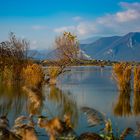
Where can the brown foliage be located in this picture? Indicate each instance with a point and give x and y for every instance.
(33, 75)
(122, 74)
(137, 78)
(13, 57)
(67, 46)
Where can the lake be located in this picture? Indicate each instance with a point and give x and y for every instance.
(89, 86)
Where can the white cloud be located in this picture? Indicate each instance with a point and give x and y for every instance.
(135, 5)
(39, 27)
(85, 28)
(121, 22)
(77, 18)
(65, 28)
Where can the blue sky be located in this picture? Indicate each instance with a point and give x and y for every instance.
(40, 21)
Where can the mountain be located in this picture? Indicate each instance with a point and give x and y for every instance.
(89, 40)
(52, 54)
(116, 48)
(39, 54)
(93, 48)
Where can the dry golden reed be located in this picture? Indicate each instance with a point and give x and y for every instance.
(53, 73)
(13, 57)
(137, 78)
(122, 74)
(33, 75)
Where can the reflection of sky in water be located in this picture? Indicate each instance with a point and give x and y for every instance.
(82, 86)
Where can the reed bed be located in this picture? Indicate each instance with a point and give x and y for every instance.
(137, 78)
(33, 75)
(53, 73)
(13, 57)
(122, 74)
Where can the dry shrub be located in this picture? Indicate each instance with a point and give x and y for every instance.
(53, 73)
(137, 78)
(33, 75)
(122, 74)
(67, 47)
(13, 57)
(7, 75)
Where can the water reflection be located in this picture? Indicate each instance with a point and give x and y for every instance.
(34, 100)
(11, 97)
(123, 106)
(78, 74)
(136, 105)
(91, 88)
(64, 103)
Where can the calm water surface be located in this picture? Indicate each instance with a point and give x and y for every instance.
(83, 86)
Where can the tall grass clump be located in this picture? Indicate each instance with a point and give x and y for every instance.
(122, 74)
(137, 78)
(33, 75)
(53, 73)
(137, 90)
(13, 57)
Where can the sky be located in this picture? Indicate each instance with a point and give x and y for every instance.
(41, 21)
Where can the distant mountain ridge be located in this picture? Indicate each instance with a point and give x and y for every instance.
(116, 48)
(52, 54)
(89, 40)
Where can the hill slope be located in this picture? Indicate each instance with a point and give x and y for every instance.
(122, 48)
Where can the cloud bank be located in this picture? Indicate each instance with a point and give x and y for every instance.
(121, 22)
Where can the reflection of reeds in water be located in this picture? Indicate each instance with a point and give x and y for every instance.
(122, 74)
(137, 78)
(123, 107)
(136, 106)
(67, 103)
(34, 103)
(11, 98)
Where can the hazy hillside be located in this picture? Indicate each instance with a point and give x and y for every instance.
(39, 54)
(125, 48)
(52, 54)
(93, 48)
(89, 40)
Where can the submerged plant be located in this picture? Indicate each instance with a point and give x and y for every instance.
(56, 128)
(24, 127)
(94, 117)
